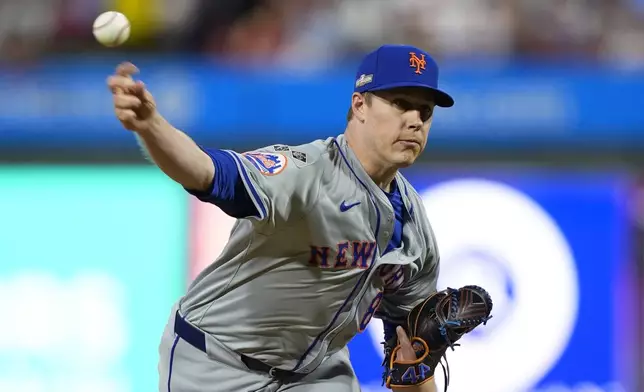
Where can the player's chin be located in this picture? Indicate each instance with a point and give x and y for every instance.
(405, 158)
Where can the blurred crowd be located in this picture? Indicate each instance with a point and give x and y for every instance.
(307, 33)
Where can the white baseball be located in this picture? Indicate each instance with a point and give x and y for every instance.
(111, 28)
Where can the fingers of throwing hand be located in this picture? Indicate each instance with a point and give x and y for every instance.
(123, 101)
(133, 104)
(125, 115)
(126, 69)
(140, 91)
(117, 83)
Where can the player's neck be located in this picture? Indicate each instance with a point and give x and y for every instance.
(380, 173)
(383, 177)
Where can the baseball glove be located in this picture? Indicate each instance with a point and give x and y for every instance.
(433, 326)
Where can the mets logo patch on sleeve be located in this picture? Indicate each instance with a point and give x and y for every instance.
(269, 164)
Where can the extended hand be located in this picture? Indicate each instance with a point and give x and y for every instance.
(134, 106)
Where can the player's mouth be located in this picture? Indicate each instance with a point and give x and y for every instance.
(410, 143)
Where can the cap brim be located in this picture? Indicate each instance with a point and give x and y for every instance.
(441, 98)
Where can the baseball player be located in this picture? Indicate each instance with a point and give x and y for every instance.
(328, 235)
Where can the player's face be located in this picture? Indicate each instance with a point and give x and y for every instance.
(400, 120)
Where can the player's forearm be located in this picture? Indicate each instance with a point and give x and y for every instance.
(177, 155)
(429, 386)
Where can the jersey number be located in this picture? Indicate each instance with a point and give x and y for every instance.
(372, 309)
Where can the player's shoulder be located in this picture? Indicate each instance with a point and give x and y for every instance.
(301, 155)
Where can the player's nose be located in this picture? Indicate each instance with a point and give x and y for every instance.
(414, 121)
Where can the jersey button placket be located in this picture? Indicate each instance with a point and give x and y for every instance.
(387, 232)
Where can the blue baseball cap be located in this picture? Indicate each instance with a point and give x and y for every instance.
(392, 66)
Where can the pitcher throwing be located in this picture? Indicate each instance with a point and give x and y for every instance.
(328, 235)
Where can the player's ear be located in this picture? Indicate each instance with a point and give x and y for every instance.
(358, 103)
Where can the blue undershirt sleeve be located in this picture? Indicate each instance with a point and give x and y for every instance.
(227, 190)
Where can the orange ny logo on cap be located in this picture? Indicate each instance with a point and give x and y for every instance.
(416, 62)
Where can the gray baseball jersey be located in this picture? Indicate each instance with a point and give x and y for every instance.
(296, 283)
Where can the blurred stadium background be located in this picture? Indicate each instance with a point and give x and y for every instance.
(533, 181)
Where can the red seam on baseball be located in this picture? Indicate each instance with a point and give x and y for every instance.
(114, 16)
(118, 36)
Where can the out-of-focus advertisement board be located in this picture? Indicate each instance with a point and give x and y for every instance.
(91, 260)
(525, 104)
(551, 248)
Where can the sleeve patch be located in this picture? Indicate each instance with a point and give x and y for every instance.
(267, 163)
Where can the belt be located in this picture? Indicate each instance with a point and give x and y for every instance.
(197, 338)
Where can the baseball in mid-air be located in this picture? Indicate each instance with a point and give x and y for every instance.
(111, 28)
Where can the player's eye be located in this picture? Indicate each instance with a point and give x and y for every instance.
(402, 104)
(426, 111)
